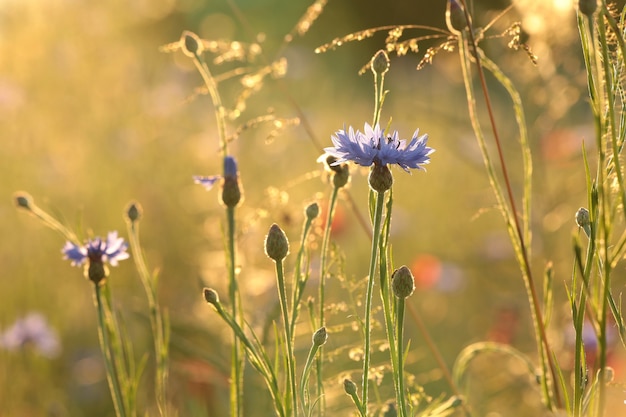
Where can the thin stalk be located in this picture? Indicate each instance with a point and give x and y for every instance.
(290, 356)
(304, 380)
(220, 113)
(236, 371)
(400, 371)
(257, 356)
(157, 322)
(236, 383)
(109, 361)
(510, 212)
(322, 291)
(378, 214)
(605, 291)
(386, 298)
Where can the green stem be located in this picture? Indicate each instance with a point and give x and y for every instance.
(289, 353)
(378, 214)
(220, 113)
(159, 330)
(322, 291)
(400, 372)
(109, 361)
(236, 371)
(304, 392)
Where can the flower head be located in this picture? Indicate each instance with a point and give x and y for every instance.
(97, 250)
(231, 190)
(373, 147)
(31, 331)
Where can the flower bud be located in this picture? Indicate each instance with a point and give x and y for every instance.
(134, 212)
(320, 337)
(342, 175)
(276, 243)
(191, 44)
(380, 63)
(455, 17)
(402, 282)
(312, 211)
(210, 296)
(231, 192)
(349, 387)
(24, 200)
(380, 178)
(587, 7)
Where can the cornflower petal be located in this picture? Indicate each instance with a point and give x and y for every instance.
(97, 250)
(76, 254)
(206, 182)
(372, 147)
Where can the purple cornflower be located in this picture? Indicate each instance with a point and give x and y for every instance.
(97, 250)
(231, 190)
(373, 147)
(33, 331)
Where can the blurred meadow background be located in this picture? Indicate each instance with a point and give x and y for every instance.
(94, 115)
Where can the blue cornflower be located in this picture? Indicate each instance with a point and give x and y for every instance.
(231, 190)
(373, 147)
(97, 250)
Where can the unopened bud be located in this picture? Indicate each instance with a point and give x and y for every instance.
(134, 212)
(24, 200)
(587, 7)
(380, 178)
(320, 336)
(402, 282)
(349, 387)
(276, 243)
(380, 63)
(191, 44)
(342, 175)
(312, 211)
(455, 17)
(210, 296)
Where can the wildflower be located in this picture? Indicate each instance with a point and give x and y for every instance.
(231, 191)
(97, 252)
(372, 147)
(31, 331)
